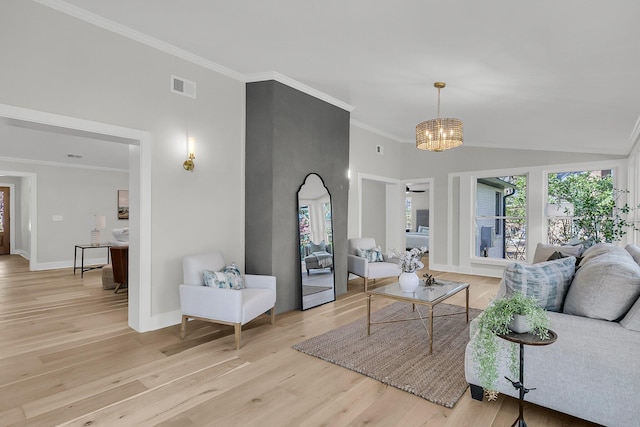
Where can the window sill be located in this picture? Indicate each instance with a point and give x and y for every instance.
(494, 261)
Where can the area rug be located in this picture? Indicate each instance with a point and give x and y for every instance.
(396, 353)
(310, 290)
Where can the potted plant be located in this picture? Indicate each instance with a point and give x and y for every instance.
(495, 320)
(409, 262)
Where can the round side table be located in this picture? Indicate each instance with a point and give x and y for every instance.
(525, 339)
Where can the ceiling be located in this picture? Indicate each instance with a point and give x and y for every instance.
(548, 75)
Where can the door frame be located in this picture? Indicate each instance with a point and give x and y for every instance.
(139, 306)
(12, 215)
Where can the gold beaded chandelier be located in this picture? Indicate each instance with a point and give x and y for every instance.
(439, 134)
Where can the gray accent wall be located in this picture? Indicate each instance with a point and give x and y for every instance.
(289, 135)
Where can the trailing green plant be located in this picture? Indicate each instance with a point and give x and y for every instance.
(495, 321)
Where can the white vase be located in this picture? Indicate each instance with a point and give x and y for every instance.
(519, 324)
(408, 282)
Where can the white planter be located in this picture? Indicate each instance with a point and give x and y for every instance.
(408, 282)
(519, 324)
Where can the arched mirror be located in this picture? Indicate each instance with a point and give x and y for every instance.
(315, 239)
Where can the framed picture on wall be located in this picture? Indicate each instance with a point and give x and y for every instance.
(123, 204)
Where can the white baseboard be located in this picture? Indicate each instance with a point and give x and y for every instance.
(162, 320)
(67, 264)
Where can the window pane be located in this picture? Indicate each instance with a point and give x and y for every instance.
(582, 206)
(501, 221)
(408, 213)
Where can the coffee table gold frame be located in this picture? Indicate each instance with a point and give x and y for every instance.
(428, 296)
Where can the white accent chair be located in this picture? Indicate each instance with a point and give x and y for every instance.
(369, 270)
(224, 306)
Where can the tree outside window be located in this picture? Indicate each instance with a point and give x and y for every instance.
(585, 206)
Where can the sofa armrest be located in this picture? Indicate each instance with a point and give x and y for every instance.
(211, 303)
(260, 281)
(357, 265)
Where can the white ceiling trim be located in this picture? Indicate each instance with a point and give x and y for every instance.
(61, 164)
(378, 131)
(145, 39)
(132, 34)
(634, 139)
(273, 75)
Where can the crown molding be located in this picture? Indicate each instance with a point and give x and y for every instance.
(378, 131)
(273, 75)
(132, 34)
(634, 138)
(61, 164)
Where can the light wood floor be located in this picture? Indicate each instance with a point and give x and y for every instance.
(67, 357)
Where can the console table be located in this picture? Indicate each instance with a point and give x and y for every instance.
(82, 249)
(525, 339)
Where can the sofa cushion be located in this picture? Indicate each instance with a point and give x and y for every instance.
(605, 286)
(543, 252)
(631, 320)
(371, 255)
(634, 251)
(547, 281)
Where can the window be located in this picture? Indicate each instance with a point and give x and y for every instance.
(501, 220)
(582, 206)
(304, 227)
(328, 230)
(408, 213)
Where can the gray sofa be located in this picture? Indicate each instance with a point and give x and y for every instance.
(592, 371)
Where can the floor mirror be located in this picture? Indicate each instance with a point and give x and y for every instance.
(315, 242)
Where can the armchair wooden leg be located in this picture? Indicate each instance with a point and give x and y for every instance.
(365, 284)
(273, 315)
(183, 326)
(238, 330)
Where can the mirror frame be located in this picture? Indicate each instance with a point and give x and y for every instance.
(300, 258)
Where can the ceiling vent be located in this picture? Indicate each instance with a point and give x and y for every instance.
(183, 86)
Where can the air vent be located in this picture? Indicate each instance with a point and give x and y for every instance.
(379, 149)
(74, 156)
(183, 86)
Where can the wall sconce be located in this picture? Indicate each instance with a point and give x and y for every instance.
(188, 164)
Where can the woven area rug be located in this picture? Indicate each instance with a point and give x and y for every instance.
(396, 353)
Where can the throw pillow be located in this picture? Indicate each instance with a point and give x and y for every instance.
(423, 229)
(605, 286)
(228, 278)
(543, 252)
(371, 255)
(547, 281)
(631, 320)
(320, 247)
(558, 255)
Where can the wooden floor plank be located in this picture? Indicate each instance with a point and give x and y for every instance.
(67, 357)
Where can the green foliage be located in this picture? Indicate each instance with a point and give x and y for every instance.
(494, 321)
(597, 214)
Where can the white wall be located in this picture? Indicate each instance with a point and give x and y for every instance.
(451, 212)
(76, 194)
(55, 63)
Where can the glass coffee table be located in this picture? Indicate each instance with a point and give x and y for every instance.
(428, 296)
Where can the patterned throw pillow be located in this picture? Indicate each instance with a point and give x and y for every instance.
(371, 255)
(543, 252)
(228, 278)
(547, 281)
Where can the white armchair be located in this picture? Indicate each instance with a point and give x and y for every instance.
(224, 306)
(365, 269)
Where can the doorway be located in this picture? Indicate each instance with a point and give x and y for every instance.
(139, 312)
